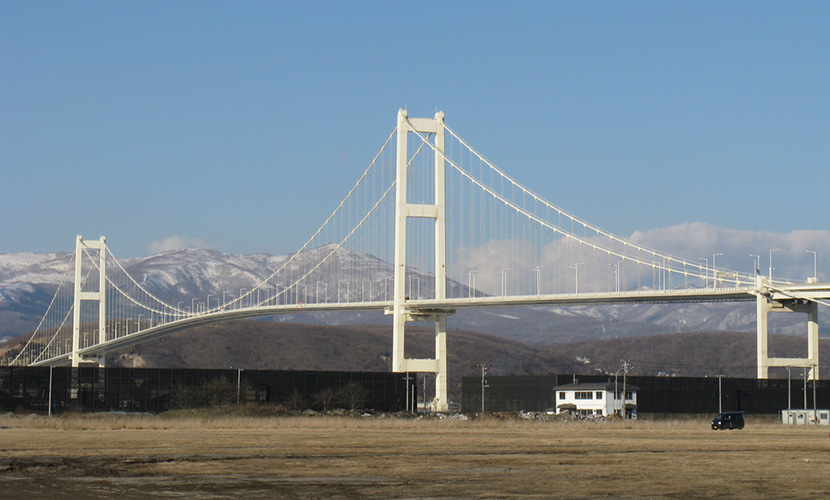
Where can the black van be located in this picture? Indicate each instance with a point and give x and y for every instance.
(728, 420)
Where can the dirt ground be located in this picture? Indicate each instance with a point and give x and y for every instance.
(354, 458)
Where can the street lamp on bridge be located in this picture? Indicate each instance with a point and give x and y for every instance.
(539, 279)
(770, 262)
(757, 263)
(815, 265)
(325, 289)
(715, 270)
(705, 272)
(503, 273)
(575, 267)
(471, 282)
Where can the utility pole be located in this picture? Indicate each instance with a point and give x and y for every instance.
(625, 367)
(407, 379)
(50, 390)
(239, 384)
(484, 384)
(789, 390)
(815, 409)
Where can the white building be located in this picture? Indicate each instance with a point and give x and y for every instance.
(596, 399)
(818, 417)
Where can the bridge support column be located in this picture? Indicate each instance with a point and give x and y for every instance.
(81, 296)
(437, 365)
(766, 304)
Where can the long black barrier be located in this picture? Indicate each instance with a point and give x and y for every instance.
(655, 395)
(154, 390)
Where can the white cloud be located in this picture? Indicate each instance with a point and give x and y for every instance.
(514, 262)
(175, 243)
(700, 240)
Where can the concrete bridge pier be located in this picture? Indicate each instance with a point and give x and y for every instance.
(767, 304)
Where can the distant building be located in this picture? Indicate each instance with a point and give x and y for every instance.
(596, 399)
(818, 417)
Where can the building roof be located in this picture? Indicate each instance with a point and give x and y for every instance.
(595, 386)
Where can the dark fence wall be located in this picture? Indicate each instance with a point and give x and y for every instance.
(156, 390)
(655, 394)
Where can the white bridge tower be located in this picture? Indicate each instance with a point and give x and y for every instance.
(81, 296)
(401, 311)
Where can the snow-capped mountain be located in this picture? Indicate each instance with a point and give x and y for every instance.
(28, 282)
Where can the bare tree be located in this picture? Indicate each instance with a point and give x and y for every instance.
(296, 401)
(352, 396)
(219, 391)
(325, 399)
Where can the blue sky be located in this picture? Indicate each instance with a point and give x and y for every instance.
(238, 125)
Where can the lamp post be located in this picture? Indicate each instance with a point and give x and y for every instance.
(715, 270)
(757, 263)
(503, 273)
(471, 282)
(770, 262)
(414, 293)
(705, 272)
(575, 267)
(539, 279)
(363, 288)
(224, 304)
(815, 265)
(340, 290)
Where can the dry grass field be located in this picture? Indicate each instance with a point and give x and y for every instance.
(129, 457)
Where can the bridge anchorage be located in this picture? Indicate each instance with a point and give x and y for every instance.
(428, 214)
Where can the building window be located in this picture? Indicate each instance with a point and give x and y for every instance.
(629, 395)
(583, 395)
(599, 395)
(562, 395)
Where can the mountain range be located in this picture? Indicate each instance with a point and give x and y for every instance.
(28, 282)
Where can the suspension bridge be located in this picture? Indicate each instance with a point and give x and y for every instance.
(430, 226)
